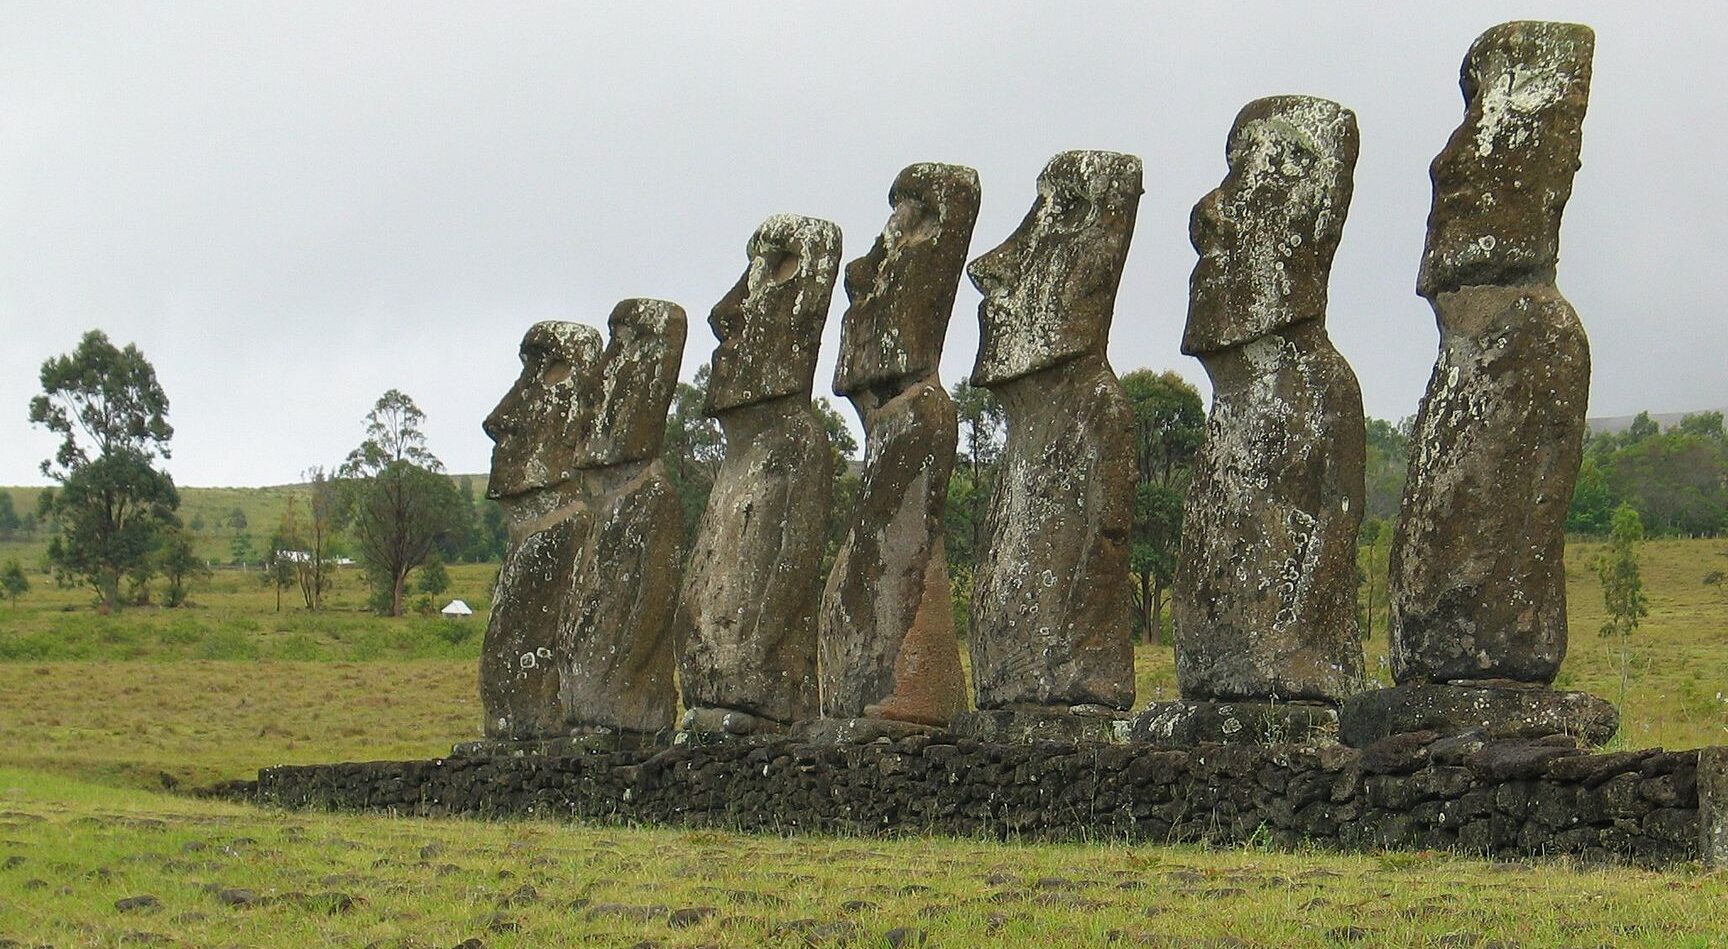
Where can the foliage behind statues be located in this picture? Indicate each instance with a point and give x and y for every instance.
(1676, 478)
(1169, 424)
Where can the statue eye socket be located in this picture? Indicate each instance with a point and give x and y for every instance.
(1068, 209)
(555, 372)
(780, 265)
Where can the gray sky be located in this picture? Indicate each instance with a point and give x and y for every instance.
(293, 207)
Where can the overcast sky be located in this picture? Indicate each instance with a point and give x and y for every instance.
(293, 207)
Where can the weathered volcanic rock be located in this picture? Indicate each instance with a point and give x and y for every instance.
(1186, 724)
(617, 625)
(580, 635)
(1713, 807)
(1477, 578)
(638, 375)
(886, 624)
(536, 429)
(1264, 595)
(1502, 182)
(1050, 605)
(747, 609)
(1497, 711)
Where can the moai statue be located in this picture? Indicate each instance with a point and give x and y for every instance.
(579, 644)
(1477, 578)
(617, 627)
(1264, 599)
(747, 610)
(1050, 602)
(536, 431)
(886, 625)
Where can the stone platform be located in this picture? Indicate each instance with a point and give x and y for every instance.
(1512, 798)
(1497, 710)
(565, 746)
(1024, 723)
(1186, 724)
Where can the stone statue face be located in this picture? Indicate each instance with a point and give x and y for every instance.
(1267, 234)
(637, 375)
(1502, 181)
(902, 291)
(1050, 288)
(770, 324)
(537, 428)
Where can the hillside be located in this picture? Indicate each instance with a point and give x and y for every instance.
(209, 512)
(1614, 424)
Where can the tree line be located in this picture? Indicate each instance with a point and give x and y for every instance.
(114, 515)
(114, 523)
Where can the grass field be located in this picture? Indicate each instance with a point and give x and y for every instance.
(99, 714)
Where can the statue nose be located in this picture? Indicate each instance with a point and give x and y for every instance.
(990, 273)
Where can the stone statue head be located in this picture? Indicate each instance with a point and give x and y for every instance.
(637, 376)
(1267, 234)
(1502, 181)
(902, 291)
(770, 324)
(1050, 288)
(538, 427)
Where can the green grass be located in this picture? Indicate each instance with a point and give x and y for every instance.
(196, 722)
(70, 851)
(99, 713)
(233, 615)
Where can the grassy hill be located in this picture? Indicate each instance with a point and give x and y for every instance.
(209, 512)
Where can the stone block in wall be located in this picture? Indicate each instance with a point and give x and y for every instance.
(1511, 760)
(1398, 754)
(1712, 807)
(1591, 770)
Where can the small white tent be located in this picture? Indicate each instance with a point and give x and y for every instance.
(457, 608)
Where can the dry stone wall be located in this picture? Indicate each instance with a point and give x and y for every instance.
(1413, 791)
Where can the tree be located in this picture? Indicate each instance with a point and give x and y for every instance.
(398, 503)
(1373, 550)
(180, 565)
(494, 530)
(981, 424)
(1169, 424)
(846, 486)
(1678, 481)
(434, 579)
(279, 569)
(484, 530)
(1702, 424)
(460, 544)
(237, 520)
(1622, 587)
(1642, 427)
(112, 512)
(9, 520)
(113, 504)
(1385, 465)
(694, 448)
(240, 550)
(324, 512)
(840, 438)
(1593, 500)
(13, 582)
